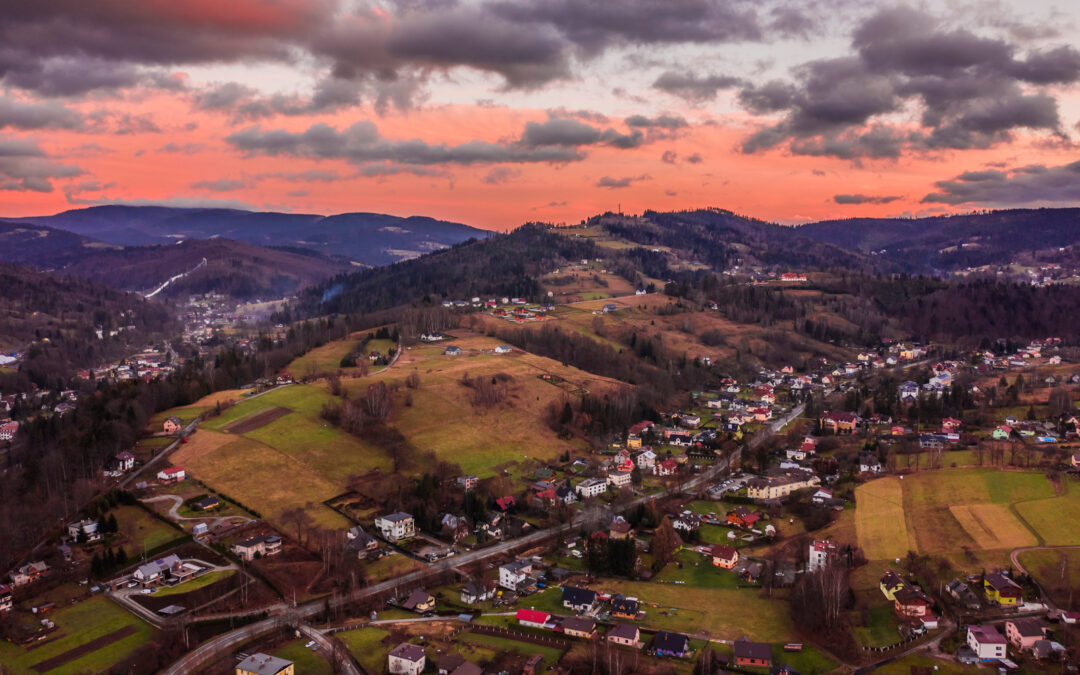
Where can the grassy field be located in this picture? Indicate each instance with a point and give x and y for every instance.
(697, 570)
(305, 660)
(1046, 566)
(77, 625)
(723, 613)
(950, 511)
(195, 584)
(185, 413)
(1054, 519)
(366, 644)
(141, 530)
(498, 644)
(325, 358)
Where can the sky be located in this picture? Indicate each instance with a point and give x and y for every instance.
(500, 112)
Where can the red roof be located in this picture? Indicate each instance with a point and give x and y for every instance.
(174, 469)
(532, 616)
(505, 502)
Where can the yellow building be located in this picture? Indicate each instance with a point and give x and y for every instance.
(264, 664)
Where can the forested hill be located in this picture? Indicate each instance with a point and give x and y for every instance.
(507, 264)
(43, 247)
(364, 238)
(243, 271)
(949, 243)
(55, 320)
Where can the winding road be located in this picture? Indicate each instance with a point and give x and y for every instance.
(211, 521)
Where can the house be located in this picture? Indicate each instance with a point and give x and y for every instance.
(532, 665)
(515, 574)
(156, 571)
(578, 599)
(627, 635)
(623, 607)
(264, 664)
(578, 627)
(724, 557)
(207, 503)
(742, 517)
(591, 487)
(532, 618)
(1024, 633)
(839, 422)
(890, 584)
(912, 603)
(505, 503)
(779, 483)
(396, 526)
(6, 598)
(199, 529)
(962, 594)
(124, 461)
(455, 664)
(172, 425)
(454, 527)
(908, 392)
(752, 654)
(87, 529)
(1002, 590)
(407, 659)
(1002, 433)
(668, 467)
(360, 541)
(565, 494)
(174, 474)
(467, 482)
(419, 601)
(453, 350)
(474, 592)
(29, 573)
(619, 479)
(671, 644)
(869, 463)
(503, 349)
(821, 553)
(987, 643)
(259, 546)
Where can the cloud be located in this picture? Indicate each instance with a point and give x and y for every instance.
(566, 132)
(668, 157)
(24, 166)
(219, 185)
(695, 158)
(309, 176)
(185, 149)
(972, 91)
(1031, 184)
(624, 182)
(693, 87)
(501, 174)
(865, 199)
(30, 116)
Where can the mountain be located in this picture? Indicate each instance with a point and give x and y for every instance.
(950, 243)
(45, 247)
(364, 238)
(55, 320)
(238, 269)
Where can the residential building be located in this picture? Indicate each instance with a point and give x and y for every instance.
(174, 474)
(890, 584)
(619, 479)
(124, 461)
(264, 664)
(1002, 590)
(1024, 633)
(29, 573)
(532, 618)
(156, 571)
(869, 462)
(752, 654)
(821, 552)
(467, 482)
(987, 643)
(578, 599)
(671, 644)
(963, 594)
(779, 483)
(474, 592)
(407, 659)
(6, 598)
(591, 487)
(172, 425)
(396, 526)
(259, 546)
(912, 603)
(514, 575)
(724, 557)
(625, 634)
(579, 627)
(419, 601)
(839, 422)
(623, 607)
(742, 517)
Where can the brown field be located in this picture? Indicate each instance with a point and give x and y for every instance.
(84, 649)
(222, 396)
(993, 526)
(201, 443)
(256, 421)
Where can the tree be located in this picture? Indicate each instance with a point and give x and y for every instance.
(1060, 402)
(665, 542)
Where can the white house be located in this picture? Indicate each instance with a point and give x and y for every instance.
(124, 461)
(396, 526)
(619, 479)
(821, 551)
(987, 643)
(591, 487)
(503, 349)
(514, 573)
(152, 572)
(174, 474)
(408, 659)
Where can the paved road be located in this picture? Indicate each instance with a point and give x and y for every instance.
(217, 646)
(211, 521)
(126, 596)
(328, 649)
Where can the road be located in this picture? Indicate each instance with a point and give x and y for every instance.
(217, 646)
(211, 521)
(126, 596)
(331, 650)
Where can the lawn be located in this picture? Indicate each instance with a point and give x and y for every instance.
(807, 662)
(77, 625)
(195, 584)
(498, 644)
(1055, 519)
(390, 566)
(723, 613)
(882, 630)
(697, 570)
(142, 531)
(306, 661)
(366, 644)
(305, 399)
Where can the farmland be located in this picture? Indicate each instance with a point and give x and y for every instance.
(946, 512)
(142, 531)
(94, 619)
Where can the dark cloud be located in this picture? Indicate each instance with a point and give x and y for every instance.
(219, 185)
(501, 174)
(668, 157)
(973, 91)
(24, 166)
(185, 149)
(666, 122)
(693, 87)
(624, 182)
(865, 199)
(1022, 185)
(566, 132)
(47, 115)
(694, 158)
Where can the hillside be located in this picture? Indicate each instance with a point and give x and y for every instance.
(55, 321)
(364, 238)
(950, 243)
(43, 247)
(243, 271)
